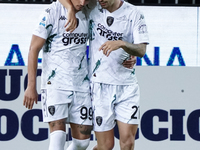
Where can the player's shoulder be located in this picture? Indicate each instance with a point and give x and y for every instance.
(130, 8)
(53, 7)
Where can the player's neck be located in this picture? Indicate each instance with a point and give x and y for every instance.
(116, 5)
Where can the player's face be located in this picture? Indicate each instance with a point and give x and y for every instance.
(106, 4)
(78, 4)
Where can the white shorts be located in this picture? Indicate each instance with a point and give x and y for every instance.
(76, 109)
(114, 102)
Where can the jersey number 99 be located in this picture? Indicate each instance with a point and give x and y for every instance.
(86, 113)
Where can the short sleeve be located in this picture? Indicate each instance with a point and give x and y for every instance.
(45, 23)
(140, 33)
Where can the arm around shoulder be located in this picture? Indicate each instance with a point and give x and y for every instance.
(71, 18)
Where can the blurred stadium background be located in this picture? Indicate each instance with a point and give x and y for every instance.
(135, 2)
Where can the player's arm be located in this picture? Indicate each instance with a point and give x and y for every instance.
(130, 62)
(140, 39)
(71, 18)
(31, 95)
(132, 49)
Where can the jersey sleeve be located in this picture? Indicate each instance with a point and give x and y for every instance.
(140, 33)
(45, 23)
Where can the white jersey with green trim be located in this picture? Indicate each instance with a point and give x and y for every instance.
(64, 61)
(126, 23)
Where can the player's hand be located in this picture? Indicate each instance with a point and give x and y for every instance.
(30, 96)
(110, 46)
(130, 62)
(71, 21)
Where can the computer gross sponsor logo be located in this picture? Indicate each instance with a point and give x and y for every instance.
(77, 38)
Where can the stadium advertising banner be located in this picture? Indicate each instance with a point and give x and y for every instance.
(173, 33)
(169, 111)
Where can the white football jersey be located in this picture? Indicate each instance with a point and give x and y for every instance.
(126, 23)
(64, 62)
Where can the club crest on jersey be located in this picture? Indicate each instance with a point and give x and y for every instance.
(99, 120)
(110, 20)
(51, 110)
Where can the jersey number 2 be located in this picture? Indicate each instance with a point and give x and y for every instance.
(134, 114)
